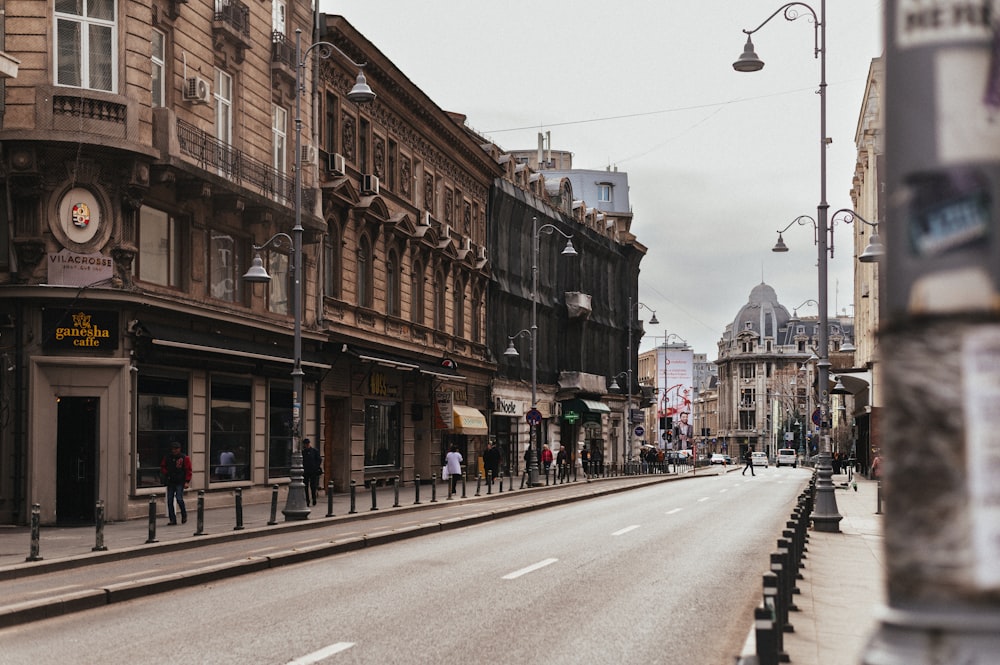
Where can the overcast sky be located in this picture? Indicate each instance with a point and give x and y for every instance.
(717, 160)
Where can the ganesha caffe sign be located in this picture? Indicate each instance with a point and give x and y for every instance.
(80, 329)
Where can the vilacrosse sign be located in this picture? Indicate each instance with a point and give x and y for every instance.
(79, 329)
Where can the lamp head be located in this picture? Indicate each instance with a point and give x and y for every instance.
(361, 93)
(511, 351)
(569, 250)
(748, 60)
(780, 246)
(614, 387)
(257, 274)
(653, 321)
(874, 251)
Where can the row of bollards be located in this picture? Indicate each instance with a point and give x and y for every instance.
(771, 619)
(559, 474)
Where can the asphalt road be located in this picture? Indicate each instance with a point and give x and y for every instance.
(663, 574)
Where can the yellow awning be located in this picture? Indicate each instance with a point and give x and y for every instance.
(467, 420)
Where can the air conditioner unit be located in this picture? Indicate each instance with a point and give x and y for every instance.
(369, 184)
(308, 154)
(336, 164)
(198, 90)
(427, 219)
(445, 238)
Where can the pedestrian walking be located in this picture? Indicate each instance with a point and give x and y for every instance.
(748, 458)
(176, 471)
(453, 460)
(491, 462)
(546, 459)
(562, 463)
(312, 468)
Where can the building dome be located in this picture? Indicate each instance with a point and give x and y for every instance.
(762, 315)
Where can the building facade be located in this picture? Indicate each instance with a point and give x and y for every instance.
(146, 167)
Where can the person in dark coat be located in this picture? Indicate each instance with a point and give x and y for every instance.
(176, 471)
(312, 468)
(748, 458)
(491, 462)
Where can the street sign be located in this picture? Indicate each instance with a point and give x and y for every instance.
(639, 431)
(533, 416)
(817, 417)
(571, 417)
(637, 416)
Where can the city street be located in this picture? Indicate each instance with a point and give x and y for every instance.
(663, 574)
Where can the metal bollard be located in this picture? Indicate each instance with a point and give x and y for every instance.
(878, 497)
(36, 522)
(463, 484)
(416, 488)
(239, 509)
(489, 482)
(374, 499)
(354, 497)
(434, 488)
(448, 484)
(201, 512)
(524, 478)
(772, 602)
(501, 483)
(152, 519)
(395, 492)
(99, 518)
(479, 483)
(329, 499)
(274, 506)
(779, 564)
(767, 647)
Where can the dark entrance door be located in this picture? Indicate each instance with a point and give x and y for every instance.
(76, 460)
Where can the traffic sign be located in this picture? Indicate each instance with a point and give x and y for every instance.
(533, 416)
(639, 431)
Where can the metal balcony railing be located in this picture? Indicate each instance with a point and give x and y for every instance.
(235, 14)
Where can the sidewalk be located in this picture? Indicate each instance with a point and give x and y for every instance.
(843, 584)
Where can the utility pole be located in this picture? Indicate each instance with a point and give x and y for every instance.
(940, 335)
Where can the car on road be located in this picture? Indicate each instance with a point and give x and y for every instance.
(718, 459)
(787, 457)
(759, 459)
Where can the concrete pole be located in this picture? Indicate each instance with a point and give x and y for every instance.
(940, 336)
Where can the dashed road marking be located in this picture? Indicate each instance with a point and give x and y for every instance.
(625, 530)
(530, 569)
(325, 652)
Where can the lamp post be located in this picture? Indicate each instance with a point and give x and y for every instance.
(533, 423)
(636, 307)
(825, 517)
(296, 507)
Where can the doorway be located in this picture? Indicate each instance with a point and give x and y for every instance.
(76, 459)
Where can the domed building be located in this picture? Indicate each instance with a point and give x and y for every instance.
(766, 396)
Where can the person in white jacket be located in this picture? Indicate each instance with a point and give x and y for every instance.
(453, 460)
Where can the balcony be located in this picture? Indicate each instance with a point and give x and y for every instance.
(231, 24)
(283, 57)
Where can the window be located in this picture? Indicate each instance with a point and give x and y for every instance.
(162, 414)
(223, 93)
(330, 124)
(748, 371)
(439, 302)
(85, 53)
(279, 139)
(278, 12)
(230, 417)
(477, 312)
(159, 258)
(458, 317)
(224, 259)
(382, 434)
(365, 273)
(332, 260)
(417, 293)
(280, 286)
(604, 192)
(279, 429)
(158, 66)
(392, 290)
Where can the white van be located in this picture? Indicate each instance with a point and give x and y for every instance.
(787, 456)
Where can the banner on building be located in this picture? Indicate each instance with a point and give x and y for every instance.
(675, 376)
(444, 414)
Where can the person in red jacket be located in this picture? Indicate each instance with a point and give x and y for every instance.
(176, 471)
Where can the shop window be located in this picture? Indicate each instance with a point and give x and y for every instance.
(279, 429)
(230, 449)
(382, 434)
(162, 416)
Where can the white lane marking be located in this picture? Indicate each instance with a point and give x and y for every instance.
(723, 491)
(625, 530)
(530, 569)
(704, 498)
(675, 510)
(325, 652)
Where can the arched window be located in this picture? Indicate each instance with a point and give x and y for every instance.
(365, 272)
(332, 261)
(417, 293)
(392, 290)
(458, 316)
(440, 319)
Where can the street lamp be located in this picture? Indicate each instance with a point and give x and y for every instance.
(653, 321)
(534, 420)
(296, 507)
(870, 254)
(825, 517)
